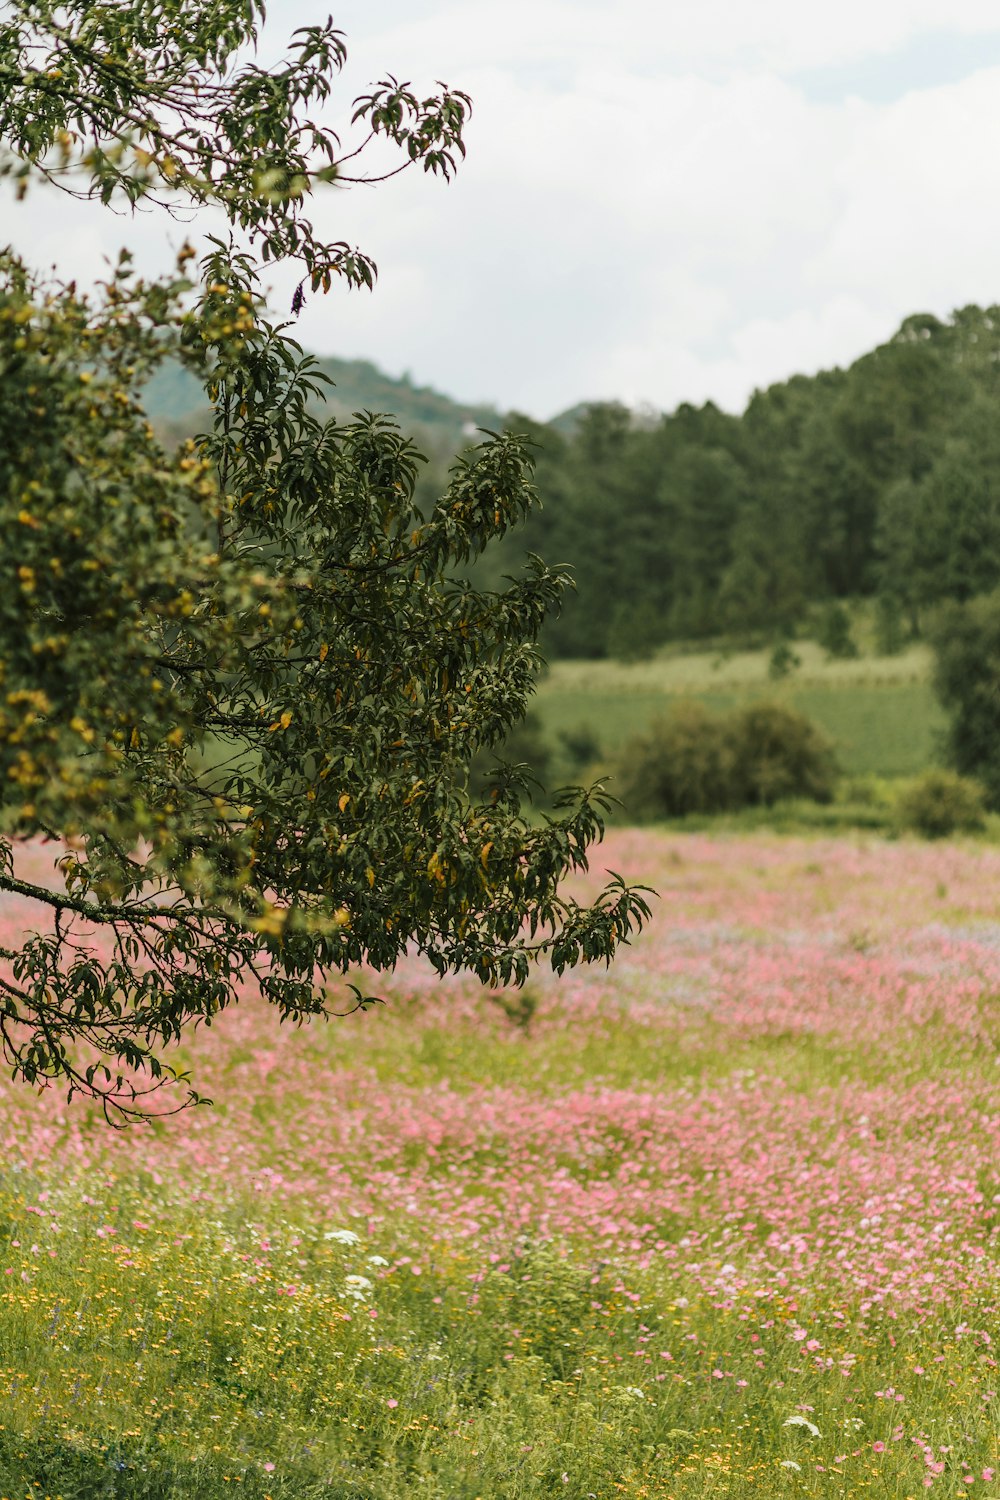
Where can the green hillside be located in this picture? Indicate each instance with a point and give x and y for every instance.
(880, 482)
(176, 404)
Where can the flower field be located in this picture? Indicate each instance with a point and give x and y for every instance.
(723, 1221)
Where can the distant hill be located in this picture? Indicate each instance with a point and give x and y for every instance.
(568, 422)
(175, 403)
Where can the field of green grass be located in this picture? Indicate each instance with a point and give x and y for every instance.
(880, 712)
(723, 1222)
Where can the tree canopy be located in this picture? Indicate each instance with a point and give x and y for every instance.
(878, 481)
(241, 681)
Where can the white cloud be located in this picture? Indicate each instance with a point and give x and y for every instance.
(653, 206)
(921, 217)
(706, 35)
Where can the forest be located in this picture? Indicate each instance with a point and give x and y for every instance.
(875, 482)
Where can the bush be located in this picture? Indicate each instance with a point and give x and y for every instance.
(680, 765)
(579, 749)
(867, 791)
(890, 635)
(940, 803)
(966, 640)
(694, 761)
(777, 752)
(835, 633)
(783, 661)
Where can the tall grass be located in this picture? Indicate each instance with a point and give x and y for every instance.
(722, 1222)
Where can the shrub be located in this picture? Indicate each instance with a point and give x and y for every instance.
(694, 761)
(579, 747)
(867, 791)
(940, 803)
(890, 635)
(776, 752)
(680, 765)
(783, 661)
(835, 633)
(966, 640)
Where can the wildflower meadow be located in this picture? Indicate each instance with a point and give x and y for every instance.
(722, 1220)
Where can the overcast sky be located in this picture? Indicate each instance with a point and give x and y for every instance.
(663, 200)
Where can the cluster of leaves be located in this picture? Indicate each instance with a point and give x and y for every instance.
(241, 683)
(966, 639)
(160, 101)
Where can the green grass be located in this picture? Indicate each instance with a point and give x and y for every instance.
(495, 1390)
(167, 1332)
(184, 1366)
(880, 712)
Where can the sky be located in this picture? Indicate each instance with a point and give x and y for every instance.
(663, 200)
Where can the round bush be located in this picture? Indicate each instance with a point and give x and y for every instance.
(694, 761)
(777, 752)
(940, 803)
(680, 765)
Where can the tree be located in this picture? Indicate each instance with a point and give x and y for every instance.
(241, 683)
(834, 633)
(966, 641)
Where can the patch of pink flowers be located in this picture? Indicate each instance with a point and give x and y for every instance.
(873, 1179)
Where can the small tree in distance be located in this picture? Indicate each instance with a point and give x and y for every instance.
(966, 641)
(241, 683)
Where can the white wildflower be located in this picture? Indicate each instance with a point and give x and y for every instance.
(797, 1420)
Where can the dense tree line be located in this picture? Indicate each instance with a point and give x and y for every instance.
(879, 480)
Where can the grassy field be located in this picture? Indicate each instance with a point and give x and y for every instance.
(723, 1222)
(879, 711)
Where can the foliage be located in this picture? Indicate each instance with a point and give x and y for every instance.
(941, 803)
(694, 761)
(890, 636)
(783, 660)
(580, 746)
(634, 632)
(880, 712)
(682, 764)
(243, 681)
(776, 752)
(178, 408)
(835, 633)
(966, 640)
(878, 480)
(875, 482)
(525, 746)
